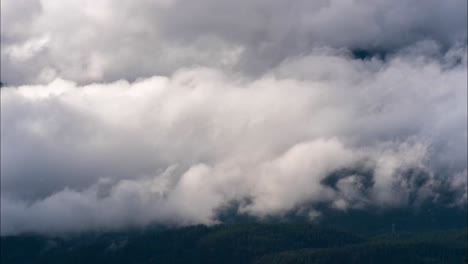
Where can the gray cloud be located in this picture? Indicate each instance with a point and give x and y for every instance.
(171, 111)
(179, 148)
(101, 41)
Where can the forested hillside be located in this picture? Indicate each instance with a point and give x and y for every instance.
(240, 243)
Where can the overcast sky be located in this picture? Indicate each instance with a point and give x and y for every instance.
(129, 113)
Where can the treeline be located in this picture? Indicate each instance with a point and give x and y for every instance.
(382, 252)
(241, 243)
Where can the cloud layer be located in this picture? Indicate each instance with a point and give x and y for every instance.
(172, 111)
(90, 40)
(179, 149)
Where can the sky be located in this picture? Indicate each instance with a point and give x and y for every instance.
(128, 114)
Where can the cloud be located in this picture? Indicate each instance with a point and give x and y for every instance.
(319, 128)
(171, 111)
(95, 41)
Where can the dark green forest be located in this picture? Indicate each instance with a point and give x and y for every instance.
(238, 243)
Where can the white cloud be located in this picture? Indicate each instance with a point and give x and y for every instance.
(178, 149)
